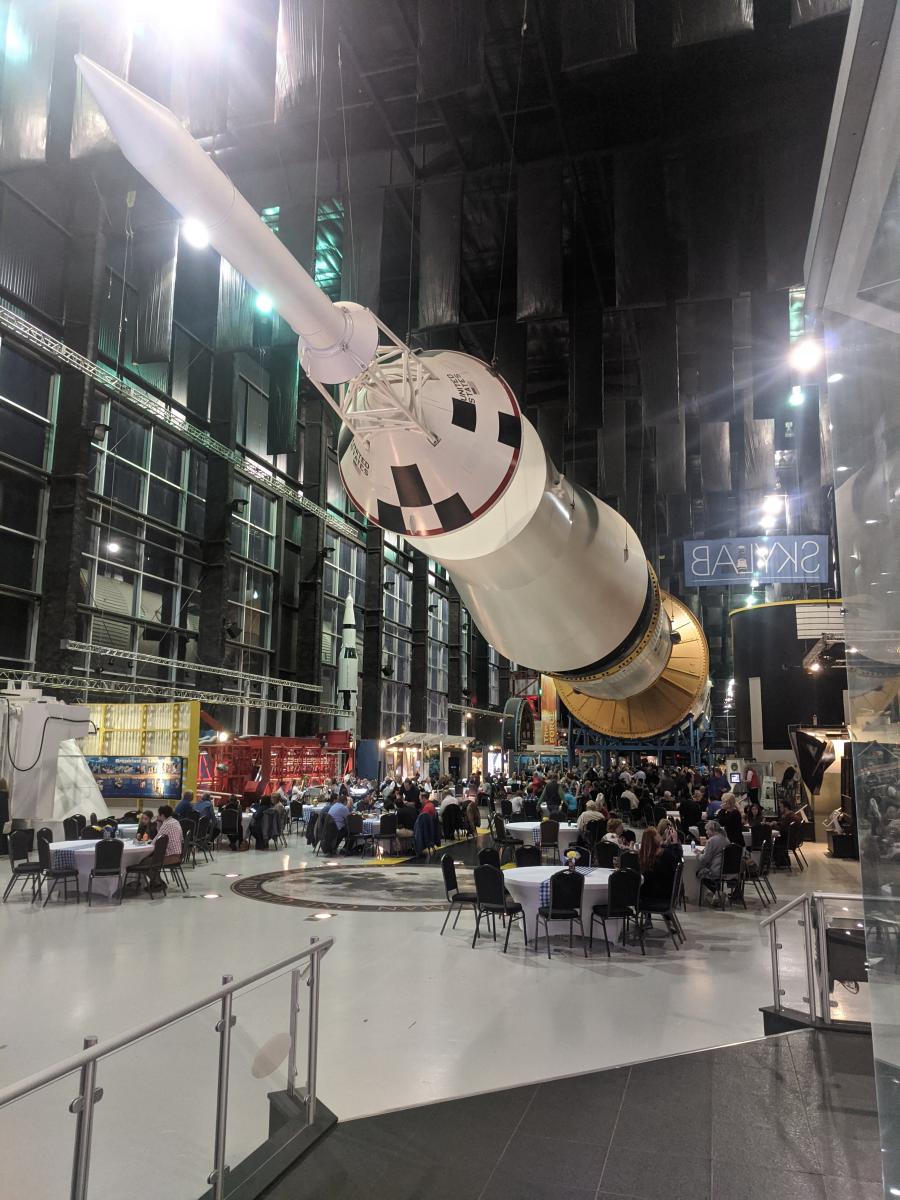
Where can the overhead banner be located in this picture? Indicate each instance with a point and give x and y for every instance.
(729, 562)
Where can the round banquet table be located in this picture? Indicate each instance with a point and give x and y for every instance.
(125, 832)
(529, 832)
(80, 855)
(689, 876)
(524, 885)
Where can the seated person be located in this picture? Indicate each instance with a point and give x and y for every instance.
(185, 805)
(473, 817)
(629, 798)
(690, 812)
(339, 812)
(406, 820)
(569, 805)
(591, 813)
(709, 864)
(628, 839)
(233, 804)
(614, 832)
(657, 867)
(730, 819)
(167, 826)
(146, 830)
(669, 839)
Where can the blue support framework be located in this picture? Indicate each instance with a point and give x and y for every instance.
(689, 740)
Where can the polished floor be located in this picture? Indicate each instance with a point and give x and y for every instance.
(407, 1017)
(789, 1118)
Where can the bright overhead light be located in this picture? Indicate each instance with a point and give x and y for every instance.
(842, 469)
(767, 523)
(835, 378)
(773, 504)
(815, 666)
(223, 735)
(750, 601)
(805, 354)
(264, 304)
(195, 233)
(853, 650)
(113, 547)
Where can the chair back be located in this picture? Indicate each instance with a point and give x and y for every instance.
(44, 835)
(506, 809)
(71, 829)
(528, 856)
(623, 891)
(584, 855)
(44, 853)
(489, 886)
(202, 830)
(354, 824)
(566, 891)
(795, 835)
(765, 859)
(130, 818)
(312, 828)
(89, 834)
(530, 810)
(499, 828)
(732, 860)
(231, 821)
(18, 846)
(80, 819)
(108, 855)
(549, 833)
(489, 857)
(296, 810)
(629, 861)
(760, 834)
(606, 853)
(160, 850)
(387, 826)
(448, 870)
(676, 885)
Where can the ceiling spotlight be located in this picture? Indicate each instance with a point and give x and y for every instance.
(796, 398)
(750, 601)
(195, 233)
(767, 523)
(264, 304)
(835, 378)
(805, 354)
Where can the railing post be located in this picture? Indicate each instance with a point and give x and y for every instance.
(822, 933)
(83, 1108)
(292, 1031)
(810, 957)
(223, 1027)
(312, 1049)
(773, 949)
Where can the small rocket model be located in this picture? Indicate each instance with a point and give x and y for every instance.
(347, 673)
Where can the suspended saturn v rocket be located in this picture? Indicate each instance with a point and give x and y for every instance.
(435, 447)
(348, 669)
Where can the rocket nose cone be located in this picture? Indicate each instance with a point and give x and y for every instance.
(130, 114)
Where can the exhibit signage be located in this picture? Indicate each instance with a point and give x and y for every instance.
(781, 558)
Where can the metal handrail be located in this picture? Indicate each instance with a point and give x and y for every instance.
(772, 917)
(76, 1062)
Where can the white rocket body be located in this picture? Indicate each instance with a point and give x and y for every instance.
(348, 669)
(554, 579)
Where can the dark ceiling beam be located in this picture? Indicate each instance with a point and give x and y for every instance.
(498, 111)
(439, 107)
(378, 103)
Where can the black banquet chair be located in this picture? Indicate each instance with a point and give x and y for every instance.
(296, 816)
(107, 865)
(566, 895)
(583, 855)
(528, 856)
(605, 854)
(455, 898)
(53, 875)
(504, 840)
(71, 829)
(550, 838)
(667, 909)
(621, 905)
(489, 857)
(150, 869)
(20, 865)
(492, 901)
(629, 861)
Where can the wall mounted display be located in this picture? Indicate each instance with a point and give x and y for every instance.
(146, 778)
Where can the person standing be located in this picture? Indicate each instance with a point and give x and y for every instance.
(751, 779)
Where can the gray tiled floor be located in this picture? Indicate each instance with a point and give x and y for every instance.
(788, 1118)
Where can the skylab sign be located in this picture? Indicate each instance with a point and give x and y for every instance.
(730, 562)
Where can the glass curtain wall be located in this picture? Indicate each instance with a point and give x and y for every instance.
(438, 680)
(397, 638)
(344, 574)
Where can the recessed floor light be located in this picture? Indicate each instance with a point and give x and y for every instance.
(233, 875)
(323, 916)
(332, 864)
(211, 896)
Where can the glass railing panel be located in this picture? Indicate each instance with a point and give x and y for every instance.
(844, 973)
(154, 1129)
(37, 1139)
(791, 950)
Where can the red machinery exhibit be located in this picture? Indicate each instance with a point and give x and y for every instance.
(251, 767)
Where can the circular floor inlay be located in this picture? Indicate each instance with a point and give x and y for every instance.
(351, 889)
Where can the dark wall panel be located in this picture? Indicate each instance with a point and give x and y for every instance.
(716, 195)
(670, 453)
(234, 328)
(659, 360)
(155, 255)
(451, 47)
(539, 242)
(595, 31)
(715, 360)
(32, 255)
(612, 445)
(105, 35)
(791, 157)
(641, 249)
(298, 59)
(586, 359)
(771, 375)
(696, 21)
(361, 263)
(284, 383)
(439, 252)
(715, 456)
(27, 70)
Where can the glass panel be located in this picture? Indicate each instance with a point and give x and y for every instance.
(20, 502)
(15, 621)
(156, 1121)
(122, 483)
(49, 1171)
(17, 560)
(194, 516)
(260, 547)
(162, 502)
(197, 473)
(847, 973)
(165, 459)
(24, 381)
(260, 1051)
(261, 509)
(21, 437)
(127, 438)
(792, 962)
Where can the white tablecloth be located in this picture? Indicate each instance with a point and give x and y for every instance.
(524, 885)
(81, 856)
(530, 833)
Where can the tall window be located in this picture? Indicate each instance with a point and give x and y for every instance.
(395, 688)
(27, 409)
(344, 575)
(438, 650)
